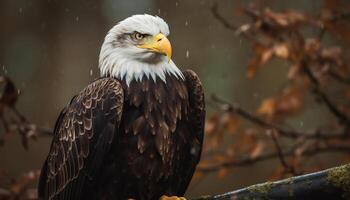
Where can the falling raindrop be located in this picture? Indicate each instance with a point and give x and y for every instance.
(186, 23)
(4, 69)
(20, 10)
(158, 11)
(77, 18)
(193, 151)
(301, 123)
(176, 4)
(91, 72)
(187, 53)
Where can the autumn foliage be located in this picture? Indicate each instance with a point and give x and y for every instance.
(314, 48)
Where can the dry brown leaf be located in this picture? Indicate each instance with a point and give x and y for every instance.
(278, 18)
(231, 151)
(231, 122)
(312, 47)
(197, 175)
(300, 150)
(252, 68)
(267, 107)
(289, 102)
(223, 172)
(294, 71)
(211, 124)
(281, 51)
(332, 55)
(261, 57)
(257, 150)
(266, 56)
(204, 163)
(218, 158)
(339, 28)
(247, 140)
(287, 18)
(24, 181)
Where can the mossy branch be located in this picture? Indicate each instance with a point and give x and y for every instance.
(333, 183)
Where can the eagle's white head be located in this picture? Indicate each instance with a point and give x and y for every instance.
(138, 48)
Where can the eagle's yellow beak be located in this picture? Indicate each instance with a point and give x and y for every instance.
(159, 44)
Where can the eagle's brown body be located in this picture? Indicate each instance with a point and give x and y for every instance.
(116, 141)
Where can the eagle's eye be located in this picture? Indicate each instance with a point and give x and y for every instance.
(138, 36)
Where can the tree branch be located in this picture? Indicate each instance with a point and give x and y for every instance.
(247, 160)
(216, 14)
(226, 24)
(343, 118)
(226, 106)
(333, 183)
(280, 154)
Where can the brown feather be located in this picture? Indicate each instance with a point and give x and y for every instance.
(119, 141)
(74, 145)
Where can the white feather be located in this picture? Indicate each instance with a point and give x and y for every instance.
(126, 61)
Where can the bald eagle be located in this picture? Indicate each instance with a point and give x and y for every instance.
(134, 133)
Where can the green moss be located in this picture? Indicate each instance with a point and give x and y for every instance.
(290, 181)
(263, 188)
(340, 177)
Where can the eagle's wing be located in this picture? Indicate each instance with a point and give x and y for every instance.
(83, 135)
(196, 123)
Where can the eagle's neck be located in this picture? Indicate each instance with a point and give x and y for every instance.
(129, 69)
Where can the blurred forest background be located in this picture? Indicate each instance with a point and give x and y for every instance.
(274, 74)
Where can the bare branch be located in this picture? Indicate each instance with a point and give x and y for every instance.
(343, 118)
(280, 154)
(247, 160)
(226, 106)
(217, 15)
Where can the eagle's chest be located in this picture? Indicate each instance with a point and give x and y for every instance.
(153, 117)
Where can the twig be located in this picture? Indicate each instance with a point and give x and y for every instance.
(20, 124)
(280, 154)
(247, 160)
(226, 106)
(226, 24)
(339, 78)
(343, 118)
(19, 115)
(214, 11)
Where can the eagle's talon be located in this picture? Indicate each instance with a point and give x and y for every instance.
(164, 197)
